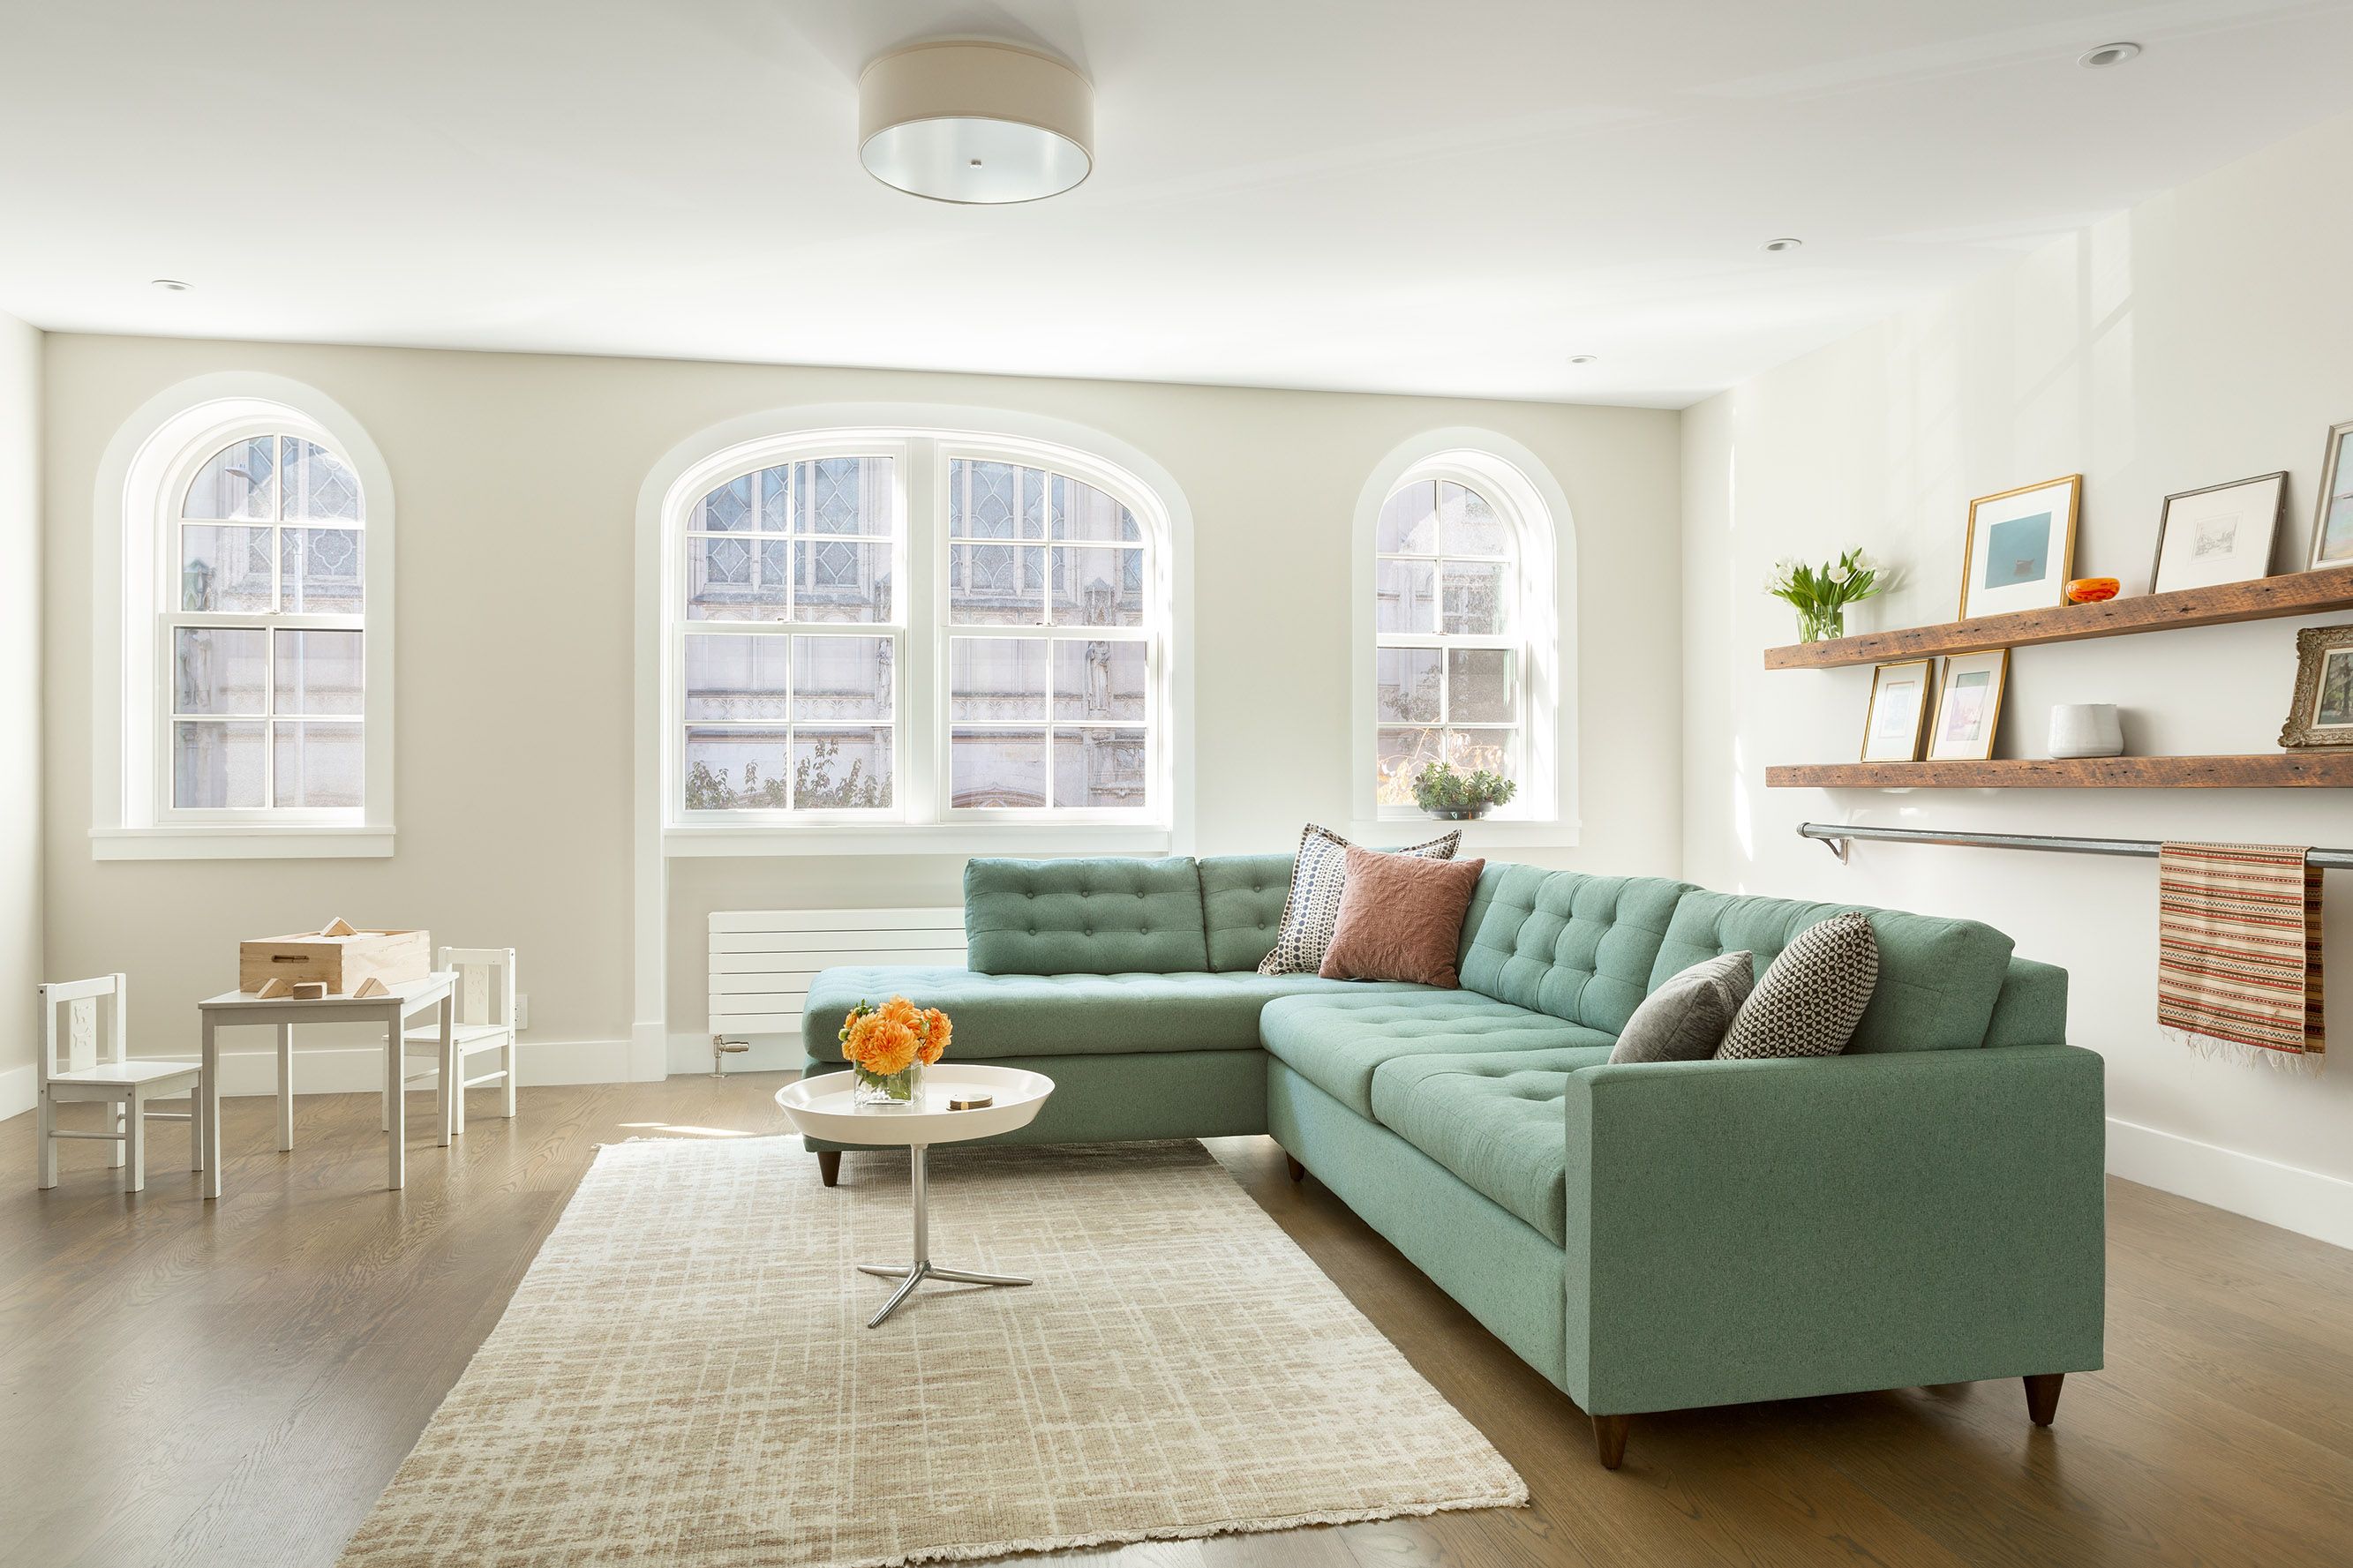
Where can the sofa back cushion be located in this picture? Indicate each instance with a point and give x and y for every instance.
(1938, 978)
(1241, 906)
(1577, 947)
(1103, 915)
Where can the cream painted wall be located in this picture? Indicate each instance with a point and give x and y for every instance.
(2202, 337)
(517, 479)
(20, 705)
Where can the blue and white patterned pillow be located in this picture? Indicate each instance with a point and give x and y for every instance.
(1319, 875)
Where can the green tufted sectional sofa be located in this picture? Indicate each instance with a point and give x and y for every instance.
(1926, 1209)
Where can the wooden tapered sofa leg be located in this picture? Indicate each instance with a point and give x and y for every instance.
(829, 1166)
(1298, 1171)
(1609, 1437)
(2042, 1396)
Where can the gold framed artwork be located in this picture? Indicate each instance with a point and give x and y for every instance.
(1969, 707)
(2021, 548)
(1899, 705)
(2219, 534)
(2322, 711)
(2332, 525)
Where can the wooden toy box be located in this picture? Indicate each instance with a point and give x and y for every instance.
(341, 962)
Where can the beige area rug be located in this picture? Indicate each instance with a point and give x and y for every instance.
(685, 1376)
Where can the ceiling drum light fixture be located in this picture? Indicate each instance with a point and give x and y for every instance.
(1582, 359)
(1784, 242)
(169, 285)
(975, 122)
(2108, 55)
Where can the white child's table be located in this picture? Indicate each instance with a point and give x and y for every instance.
(392, 1011)
(825, 1108)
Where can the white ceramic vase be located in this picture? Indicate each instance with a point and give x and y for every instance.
(2086, 729)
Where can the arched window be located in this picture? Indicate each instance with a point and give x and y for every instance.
(916, 627)
(251, 653)
(265, 633)
(1467, 655)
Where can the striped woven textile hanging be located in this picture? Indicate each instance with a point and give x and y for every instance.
(2238, 969)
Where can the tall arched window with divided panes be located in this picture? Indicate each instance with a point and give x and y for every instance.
(1049, 644)
(1451, 623)
(263, 636)
(791, 640)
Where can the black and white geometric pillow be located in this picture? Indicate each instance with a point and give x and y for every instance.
(1319, 874)
(1809, 1002)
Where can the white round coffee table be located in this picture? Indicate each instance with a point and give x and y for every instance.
(825, 1108)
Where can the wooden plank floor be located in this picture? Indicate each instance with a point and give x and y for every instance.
(233, 1384)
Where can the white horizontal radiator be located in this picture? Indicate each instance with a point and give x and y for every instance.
(762, 959)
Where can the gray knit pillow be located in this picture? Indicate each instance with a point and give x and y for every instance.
(1319, 875)
(1809, 1002)
(1685, 1018)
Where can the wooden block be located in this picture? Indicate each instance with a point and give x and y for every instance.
(372, 986)
(394, 957)
(309, 990)
(273, 986)
(339, 927)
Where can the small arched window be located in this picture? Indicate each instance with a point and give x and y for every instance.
(265, 632)
(1447, 656)
(1467, 653)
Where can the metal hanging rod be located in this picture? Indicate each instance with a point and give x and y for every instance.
(1839, 837)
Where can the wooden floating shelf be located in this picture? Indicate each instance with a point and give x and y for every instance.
(2265, 598)
(2272, 770)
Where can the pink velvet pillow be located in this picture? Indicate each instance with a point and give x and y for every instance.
(1401, 918)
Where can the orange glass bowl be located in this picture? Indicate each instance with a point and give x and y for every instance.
(2091, 590)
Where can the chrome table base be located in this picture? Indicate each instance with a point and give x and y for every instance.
(910, 1274)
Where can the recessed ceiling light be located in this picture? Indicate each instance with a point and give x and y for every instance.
(974, 122)
(1582, 359)
(2108, 54)
(1784, 242)
(170, 285)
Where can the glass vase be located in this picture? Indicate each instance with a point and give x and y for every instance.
(892, 1091)
(1822, 624)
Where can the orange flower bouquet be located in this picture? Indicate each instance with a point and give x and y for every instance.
(888, 1046)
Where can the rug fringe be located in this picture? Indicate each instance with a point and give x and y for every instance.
(2208, 1047)
(1515, 1496)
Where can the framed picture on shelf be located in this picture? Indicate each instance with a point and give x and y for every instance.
(1899, 704)
(2322, 714)
(2332, 527)
(2219, 535)
(1969, 707)
(2021, 548)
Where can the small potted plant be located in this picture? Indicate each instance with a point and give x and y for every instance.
(1820, 594)
(888, 1046)
(1439, 790)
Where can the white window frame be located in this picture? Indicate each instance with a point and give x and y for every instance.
(142, 486)
(1530, 503)
(923, 441)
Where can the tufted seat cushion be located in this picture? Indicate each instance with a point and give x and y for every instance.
(1494, 1119)
(1578, 947)
(1336, 1043)
(1069, 1014)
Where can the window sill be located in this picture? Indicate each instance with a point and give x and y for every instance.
(1483, 833)
(916, 839)
(237, 843)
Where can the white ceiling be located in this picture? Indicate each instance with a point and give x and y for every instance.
(1407, 195)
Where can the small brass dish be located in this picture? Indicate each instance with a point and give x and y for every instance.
(974, 1102)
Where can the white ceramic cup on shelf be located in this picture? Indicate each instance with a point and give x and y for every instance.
(2086, 729)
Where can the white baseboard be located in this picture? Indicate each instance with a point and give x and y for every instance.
(768, 1053)
(16, 1091)
(2307, 1201)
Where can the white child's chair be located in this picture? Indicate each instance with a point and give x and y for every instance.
(83, 1057)
(484, 1005)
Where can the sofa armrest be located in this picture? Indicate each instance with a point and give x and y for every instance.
(1743, 1230)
